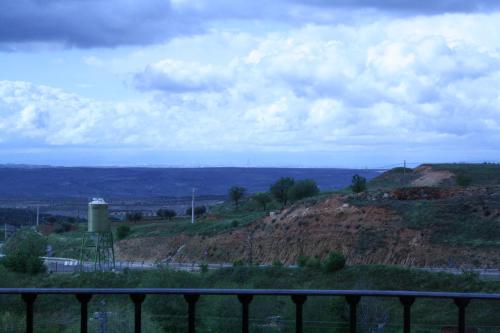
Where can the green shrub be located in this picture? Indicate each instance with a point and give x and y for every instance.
(236, 193)
(135, 217)
(198, 211)
(334, 262)
(237, 263)
(262, 198)
(358, 184)
(235, 223)
(122, 232)
(303, 189)
(463, 180)
(23, 252)
(167, 214)
(277, 263)
(59, 228)
(203, 268)
(313, 262)
(280, 189)
(302, 261)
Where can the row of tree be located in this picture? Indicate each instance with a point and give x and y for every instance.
(287, 189)
(284, 190)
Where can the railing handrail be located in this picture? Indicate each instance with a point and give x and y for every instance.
(245, 296)
(256, 292)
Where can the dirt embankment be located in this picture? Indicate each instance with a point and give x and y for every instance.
(370, 235)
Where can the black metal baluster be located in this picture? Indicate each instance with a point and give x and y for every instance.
(29, 299)
(84, 301)
(137, 299)
(407, 302)
(245, 302)
(191, 299)
(299, 302)
(353, 301)
(462, 304)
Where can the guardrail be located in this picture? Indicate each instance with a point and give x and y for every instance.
(245, 297)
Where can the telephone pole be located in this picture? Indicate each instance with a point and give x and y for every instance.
(404, 172)
(192, 207)
(37, 215)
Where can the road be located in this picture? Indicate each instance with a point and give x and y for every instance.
(68, 265)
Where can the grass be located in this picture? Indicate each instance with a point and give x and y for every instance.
(485, 174)
(221, 314)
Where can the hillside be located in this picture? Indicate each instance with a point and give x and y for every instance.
(439, 224)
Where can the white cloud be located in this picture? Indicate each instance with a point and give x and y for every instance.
(380, 86)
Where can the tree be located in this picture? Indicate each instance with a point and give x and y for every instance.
(280, 189)
(23, 252)
(135, 217)
(463, 180)
(122, 232)
(334, 262)
(303, 189)
(167, 214)
(198, 211)
(236, 193)
(358, 184)
(262, 198)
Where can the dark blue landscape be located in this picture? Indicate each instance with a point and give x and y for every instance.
(85, 182)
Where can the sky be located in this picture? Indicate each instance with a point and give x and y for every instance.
(298, 83)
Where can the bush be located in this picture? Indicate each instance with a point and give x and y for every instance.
(334, 262)
(61, 227)
(280, 189)
(234, 223)
(122, 232)
(236, 193)
(134, 217)
(463, 180)
(358, 184)
(262, 198)
(277, 263)
(302, 261)
(303, 189)
(313, 262)
(198, 211)
(237, 263)
(204, 268)
(23, 252)
(167, 214)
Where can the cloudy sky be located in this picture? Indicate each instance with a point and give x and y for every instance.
(359, 83)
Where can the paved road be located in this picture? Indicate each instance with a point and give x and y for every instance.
(71, 265)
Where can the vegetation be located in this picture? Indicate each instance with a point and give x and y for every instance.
(167, 214)
(334, 262)
(280, 189)
(236, 193)
(358, 184)
(263, 199)
(23, 252)
(198, 211)
(303, 189)
(464, 180)
(222, 313)
(133, 217)
(122, 232)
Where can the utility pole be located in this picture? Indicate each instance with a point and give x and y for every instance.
(37, 215)
(192, 207)
(404, 172)
(5, 231)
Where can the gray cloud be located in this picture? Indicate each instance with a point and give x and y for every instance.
(93, 23)
(409, 6)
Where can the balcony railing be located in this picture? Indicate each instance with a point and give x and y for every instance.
(245, 297)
